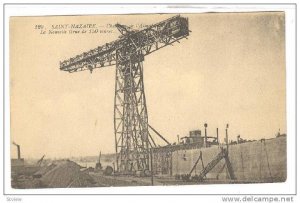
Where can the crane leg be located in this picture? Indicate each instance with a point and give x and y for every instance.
(131, 118)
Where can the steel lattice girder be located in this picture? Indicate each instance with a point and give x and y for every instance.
(130, 117)
(145, 41)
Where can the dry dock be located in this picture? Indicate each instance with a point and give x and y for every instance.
(258, 161)
(252, 162)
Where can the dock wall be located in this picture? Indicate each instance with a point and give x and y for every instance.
(258, 161)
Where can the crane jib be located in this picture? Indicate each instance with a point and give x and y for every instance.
(141, 42)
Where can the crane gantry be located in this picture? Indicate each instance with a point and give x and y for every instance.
(132, 135)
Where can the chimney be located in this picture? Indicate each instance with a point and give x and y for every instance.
(218, 135)
(227, 141)
(19, 151)
(205, 135)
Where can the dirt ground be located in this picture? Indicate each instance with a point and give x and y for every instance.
(115, 181)
(64, 174)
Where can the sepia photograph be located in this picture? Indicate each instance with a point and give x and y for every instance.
(147, 99)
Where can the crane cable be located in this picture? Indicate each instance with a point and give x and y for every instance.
(263, 144)
(260, 159)
(242, 159)
(268, 160)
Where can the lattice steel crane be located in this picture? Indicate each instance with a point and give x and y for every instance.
(130, 110)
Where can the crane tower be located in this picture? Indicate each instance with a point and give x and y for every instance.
(132, 141)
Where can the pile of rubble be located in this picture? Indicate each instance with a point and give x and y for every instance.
(64, 174)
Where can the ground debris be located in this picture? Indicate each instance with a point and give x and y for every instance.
(64, 174)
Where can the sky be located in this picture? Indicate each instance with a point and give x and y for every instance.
(231, 69)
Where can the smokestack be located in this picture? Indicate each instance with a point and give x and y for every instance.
(205, 138)
(19, 151)
(227, 142)
(218, 135)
